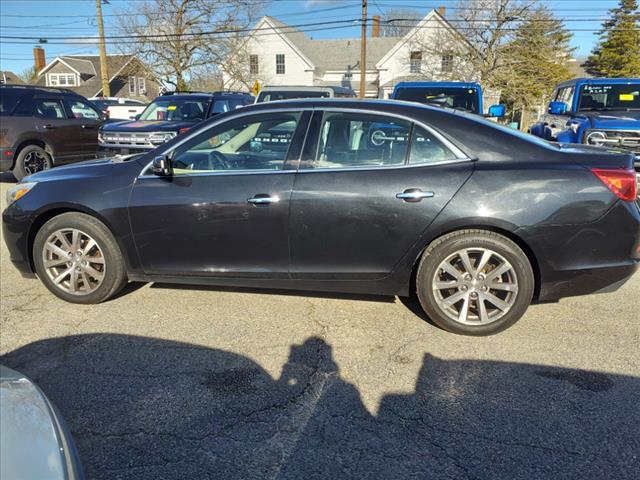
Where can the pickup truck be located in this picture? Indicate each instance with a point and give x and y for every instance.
(465, 96)
(166, 117)
(594, 111)
(119, 108)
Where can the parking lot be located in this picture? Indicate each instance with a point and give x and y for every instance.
(168, 381)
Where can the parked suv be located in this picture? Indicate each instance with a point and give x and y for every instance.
(595, 111)
(45, 127)
(166, 117)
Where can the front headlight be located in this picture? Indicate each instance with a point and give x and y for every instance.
(595, 138)
(18, 191)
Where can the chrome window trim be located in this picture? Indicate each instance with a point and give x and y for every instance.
(460, 155)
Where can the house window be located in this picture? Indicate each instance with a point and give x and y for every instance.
(446, 65)
(62, 79)
(280, 64)
(415, 62)
(132, 85)
(253, 65)
(142, 86)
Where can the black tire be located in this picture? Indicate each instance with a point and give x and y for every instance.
(23, 165)
(447, 246)
(114, 267)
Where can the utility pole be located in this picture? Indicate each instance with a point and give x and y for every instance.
(103, 51)
(363, 51)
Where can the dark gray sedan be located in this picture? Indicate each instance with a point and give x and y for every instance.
(374, 197)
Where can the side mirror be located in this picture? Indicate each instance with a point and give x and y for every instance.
(496, 111)
(161, 166)
(137, 117)
(557, 108)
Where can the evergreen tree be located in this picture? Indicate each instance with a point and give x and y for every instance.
(539, 56)
(618, 51)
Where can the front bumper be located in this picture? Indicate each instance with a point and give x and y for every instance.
(16, 228)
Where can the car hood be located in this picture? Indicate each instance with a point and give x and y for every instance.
(615, 120)
(120, 165)
(31, 436)
(147, 126)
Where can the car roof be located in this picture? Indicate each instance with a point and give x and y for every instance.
(306, 88)
(438, 84)
(598, 81)
(37, 88)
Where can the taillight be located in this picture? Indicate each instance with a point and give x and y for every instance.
(621, 182)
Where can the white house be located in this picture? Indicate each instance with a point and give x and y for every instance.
(277, 54)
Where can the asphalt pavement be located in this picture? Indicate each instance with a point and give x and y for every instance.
(174, 382)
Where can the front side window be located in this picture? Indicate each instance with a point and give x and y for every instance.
(254, 69)
(458, 98)
(415, 65)
(446, 64)
(352, 140)
(51, 109)
(255, 143)
(280, 64)
(82, 110)
(176, 109)
(566, 95)
(426, 148)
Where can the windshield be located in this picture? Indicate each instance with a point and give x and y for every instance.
(609, 97)
(176, 109)
(289, 94)
(459, 98)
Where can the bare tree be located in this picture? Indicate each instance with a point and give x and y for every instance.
(397, 22)
(180, 38)
(470, 47)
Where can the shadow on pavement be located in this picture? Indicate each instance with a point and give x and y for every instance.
(7, 177)
(144, 408)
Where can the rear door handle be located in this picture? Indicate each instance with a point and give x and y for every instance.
(263, 199)
(88, 126)
(414, 195)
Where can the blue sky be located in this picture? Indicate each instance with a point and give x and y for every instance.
(47, 18)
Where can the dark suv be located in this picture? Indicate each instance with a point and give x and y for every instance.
(166, 117)
(44, 127)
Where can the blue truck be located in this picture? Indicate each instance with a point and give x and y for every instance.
(594, 111)
(465, 96)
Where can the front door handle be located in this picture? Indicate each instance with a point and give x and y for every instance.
(48, 126)
(263, 199)
(88, 126)
(414, 195)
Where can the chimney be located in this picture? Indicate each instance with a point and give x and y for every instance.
(375, 26)
(442, 11)
(38, 58)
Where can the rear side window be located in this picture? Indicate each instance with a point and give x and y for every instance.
(24, 107)
(426, 148)
(7, 102)
(350, 140)
(52, 109)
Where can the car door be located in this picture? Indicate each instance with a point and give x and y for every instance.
(85, 122)
(225, 210)
(51, 120)
(362, 197)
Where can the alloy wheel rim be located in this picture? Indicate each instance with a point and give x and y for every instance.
(475, 286)
(35, 162)
(74, 261)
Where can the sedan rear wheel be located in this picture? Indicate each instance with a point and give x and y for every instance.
(474, 282)
(77, 258)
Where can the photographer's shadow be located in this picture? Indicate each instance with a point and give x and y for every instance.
(149, 408)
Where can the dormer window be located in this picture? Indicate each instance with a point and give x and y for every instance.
(62, 80)
(415, 62)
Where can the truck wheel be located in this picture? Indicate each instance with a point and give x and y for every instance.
(474, 282)
(31, 159)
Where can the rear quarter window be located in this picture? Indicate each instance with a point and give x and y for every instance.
(8, 102)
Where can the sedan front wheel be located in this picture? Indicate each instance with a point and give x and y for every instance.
(474, 282)
(77, 259)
